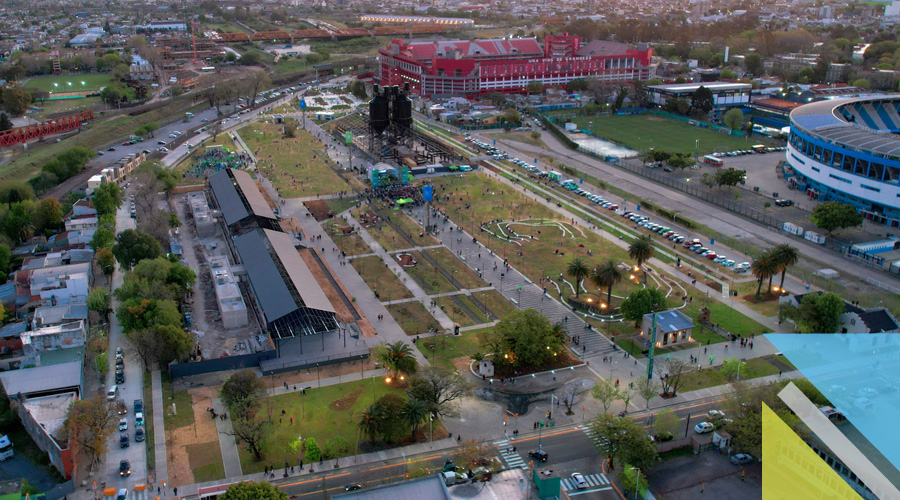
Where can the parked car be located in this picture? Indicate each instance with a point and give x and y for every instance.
(121, 407)
(123, 494)
(715, 414)
(704, 428)
(139, 434)
(110, 148)
(112, 392)
(741, 459)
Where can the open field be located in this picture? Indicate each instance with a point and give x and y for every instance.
(412, 229)
(297, 166)
(465, 275)
(428, 277)
(553, 243)
(67, 106)
(458, 314)
(68, 83)
(328, 414)
(381, 232)
(413, 317)
(351, 244)
(380, 279)
(645, 131)
(752, 368)
(442, 350)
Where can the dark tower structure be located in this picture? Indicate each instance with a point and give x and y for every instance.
(379, 112)
(402, 105)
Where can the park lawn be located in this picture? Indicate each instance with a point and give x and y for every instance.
(327, 413)
(523, 137)
(184, 415)
(768, 304)
(351, 244)
(66, 106)
(712, 377)
(644, 131)
(413, 229)
(489, 200)
(456, 313)
(479, 312)
(382, 232)
(60, 83)
(495, 302)
(428, 276)
(465, 275)
(380, 279)
(206, 461)
(413, 317)
(340, 205)
(148, 420)
(443, 349)
(627, 344)
(297, 166)
(724, 316)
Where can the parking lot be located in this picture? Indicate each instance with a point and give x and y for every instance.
(706, 475)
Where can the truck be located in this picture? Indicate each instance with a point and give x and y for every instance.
(6, 448)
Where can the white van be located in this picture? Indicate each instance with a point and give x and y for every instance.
(112, 392)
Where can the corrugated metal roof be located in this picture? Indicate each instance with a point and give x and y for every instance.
(227, 197)
(42, 378)
(252, 194)
(272, 294)
(303, 279)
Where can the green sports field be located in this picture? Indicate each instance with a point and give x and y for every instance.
(645, 131)
(68, 83)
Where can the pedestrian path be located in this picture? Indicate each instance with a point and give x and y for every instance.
(592, 435)
(595, 482)
(509, 455)
(230, 457)
(161, 468)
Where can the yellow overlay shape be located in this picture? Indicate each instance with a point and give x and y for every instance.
(791, 470)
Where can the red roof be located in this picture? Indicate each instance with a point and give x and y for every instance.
(475, 49)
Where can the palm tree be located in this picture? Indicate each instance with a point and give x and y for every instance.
(397, 358)
(787, 255)
(763, 267)
(578, 270)
(607, 275)
(369, 422)
(641, 250)
(414, 413)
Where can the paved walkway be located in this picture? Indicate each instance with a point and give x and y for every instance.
(159, 427)
(227, 442)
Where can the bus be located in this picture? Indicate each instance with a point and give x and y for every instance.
(712, 160)
(208, 69)
(759, 148)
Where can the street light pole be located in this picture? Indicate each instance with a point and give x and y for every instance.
(637, 482)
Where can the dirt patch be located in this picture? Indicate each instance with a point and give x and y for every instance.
(341, 310)
(462, 363)
(292, 225)
(346, 402)
(655, 119)
(179, 442)
(265, 194)
(319, 209)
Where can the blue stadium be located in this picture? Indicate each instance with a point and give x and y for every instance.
(847, 150)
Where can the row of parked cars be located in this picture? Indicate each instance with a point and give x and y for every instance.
(599, 200)
(693, 245)
(742, 152)
(493, 151)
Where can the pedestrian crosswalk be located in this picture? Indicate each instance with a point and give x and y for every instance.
(594, 482)
(597, 440)
(511, 457)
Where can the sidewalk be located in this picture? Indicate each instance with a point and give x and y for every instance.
(159, 428)
(227, 442)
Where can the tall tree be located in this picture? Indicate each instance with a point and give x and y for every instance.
(734, 118)
(134, 246)
(787, 255)
(243, 392)
(107, 198)
(641, 250)
(369, 421)
(525, 339)
(607, 275)
(252, 431)
(642, 301)
(832, 215)
(646, 389)
(577, 270)
(48, 215)
(672, 374)
(91, 422)
(763, 267)
(607, 392)
(18, 225)
(437, 387)
(106, 260)
(415, 413)
(15, 100)
(5, 122)
(703, 101)
(621, 438)
(753, 63)
(251, 490)
(397, 358)
(98, 301)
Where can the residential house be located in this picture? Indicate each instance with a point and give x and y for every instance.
(44, 418)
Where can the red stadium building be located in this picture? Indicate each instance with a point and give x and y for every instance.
(470, 68)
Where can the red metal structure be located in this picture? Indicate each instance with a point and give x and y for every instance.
(264, 36)
(50, 127)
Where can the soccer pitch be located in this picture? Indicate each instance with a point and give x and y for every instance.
(68, 83)
(645, 131)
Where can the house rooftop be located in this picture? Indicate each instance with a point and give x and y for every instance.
(672, 320)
